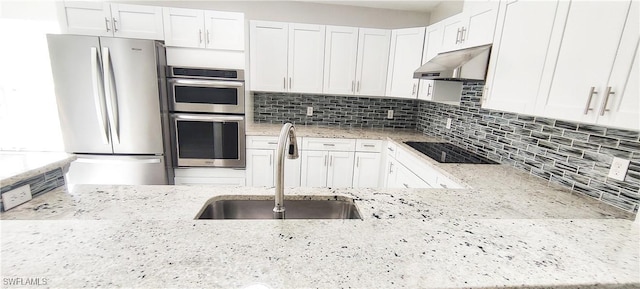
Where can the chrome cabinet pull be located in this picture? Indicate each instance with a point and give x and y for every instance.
(208, 40)
(591, 93)
(405, 185)
(328, 144)
(325, 161)
(607, 93)
(115, 25)
(353, 85)
(106, 23)
(284, 81)
(390, 168)
(290, 82)
(458, 36)
(462, 31)
(331, 161)
(390, 149)
(200, 35)
(429, 90)
(357, 162)
(368, 145)
(358, 86)
(414, 89)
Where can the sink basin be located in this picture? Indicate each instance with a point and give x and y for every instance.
(252, 208)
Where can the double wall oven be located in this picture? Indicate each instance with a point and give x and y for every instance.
(208, 118)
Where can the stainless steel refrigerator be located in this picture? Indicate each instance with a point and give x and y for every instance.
(108, 95)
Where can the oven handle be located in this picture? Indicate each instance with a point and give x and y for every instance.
(209, 117)
(211, 83)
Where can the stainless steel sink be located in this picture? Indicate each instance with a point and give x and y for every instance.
(252, 208)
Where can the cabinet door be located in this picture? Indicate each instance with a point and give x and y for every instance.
(268, 52)
(408, 180)
(306, 57)
(480, 25)
(622, 108)
(340, 173)
(314, 168)
(404, 58)
(292, 172)
(583, 60)
(340, 56)
(366, 173)
(452, 32)
(183, 27)
(442, 91)
(373, 61)
(390, 173)
(260, 168)
(137, 21)
(224, 30)
(432, 45)
(517, 59)
(86, 18)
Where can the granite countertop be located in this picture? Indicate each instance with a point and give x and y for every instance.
(491, 234)
(20, 165)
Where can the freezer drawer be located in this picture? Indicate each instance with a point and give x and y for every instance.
(117, 170)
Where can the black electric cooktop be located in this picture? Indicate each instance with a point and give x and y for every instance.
(448, 153)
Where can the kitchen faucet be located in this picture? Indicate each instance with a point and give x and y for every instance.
(292, 153)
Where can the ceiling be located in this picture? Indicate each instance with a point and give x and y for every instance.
(416, 5)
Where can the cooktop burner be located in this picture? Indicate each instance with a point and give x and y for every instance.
(448, 153)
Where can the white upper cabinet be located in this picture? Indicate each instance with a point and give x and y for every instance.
(404, 58)
(340, 56)
(286, 57)
(373, 60)
(204, 29)
(306, 57)
(519, 48)
(118, 20)
(470, 28)
(183, 27)
(356, 67)
(589, 43)
(224, 30)
(268, 55)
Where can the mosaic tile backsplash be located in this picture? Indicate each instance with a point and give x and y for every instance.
(39, 184)
(577, 156)
(343, 111)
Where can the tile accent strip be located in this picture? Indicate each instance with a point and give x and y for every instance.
(574, 155)
(40, 184)
(342, 111)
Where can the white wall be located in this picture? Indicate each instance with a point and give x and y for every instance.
(446, 9)
(304, 12)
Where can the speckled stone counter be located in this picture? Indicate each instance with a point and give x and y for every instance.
(523, 233)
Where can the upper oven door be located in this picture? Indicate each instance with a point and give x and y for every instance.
(214, 96)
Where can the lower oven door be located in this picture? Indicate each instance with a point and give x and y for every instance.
(209, 140)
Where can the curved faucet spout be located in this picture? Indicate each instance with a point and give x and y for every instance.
(287, 131)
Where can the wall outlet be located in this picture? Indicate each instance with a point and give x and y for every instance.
(309, 110)
(16, 197)
(619, 169)
(390, 114)
(448, 123)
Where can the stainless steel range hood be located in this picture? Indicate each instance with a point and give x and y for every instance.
(458, 65)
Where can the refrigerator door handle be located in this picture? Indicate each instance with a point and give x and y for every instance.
(118, 161)
(111, 94)
(98, 95)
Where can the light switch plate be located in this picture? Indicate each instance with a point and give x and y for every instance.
(449, 123)
(16, 197)
(390, 114)
(619, 169)
(309, 110)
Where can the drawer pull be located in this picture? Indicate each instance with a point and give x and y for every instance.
(272, 143)
(369, 146)
(390, 149)
(329, 144)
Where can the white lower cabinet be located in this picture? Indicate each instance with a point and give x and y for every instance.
(327, 169)
(366, 172)
(405, 178)
(261, 165)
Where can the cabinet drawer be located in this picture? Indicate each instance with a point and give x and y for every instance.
(209, 173)
(266, 142)
(189, 181)
(369, 145)
(329, 144)
(391, 149)
(417, 166)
